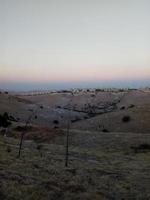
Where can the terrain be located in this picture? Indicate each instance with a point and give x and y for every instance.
(109, 145)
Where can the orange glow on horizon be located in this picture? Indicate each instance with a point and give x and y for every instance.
(85, 74)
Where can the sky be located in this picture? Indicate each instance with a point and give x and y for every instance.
(49, 44)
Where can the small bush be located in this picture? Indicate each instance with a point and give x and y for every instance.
(85, 117)
(126, 119)
(141, 148)
(8, 149)
(144, 146)
(5, 115)
(4, 120)
(105, 130)
(122, 108)
(39, 148)
(56, 122)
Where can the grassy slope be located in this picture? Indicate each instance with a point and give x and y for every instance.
(140, 116)
(101, 166)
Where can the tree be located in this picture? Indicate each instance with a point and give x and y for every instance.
(4, 120)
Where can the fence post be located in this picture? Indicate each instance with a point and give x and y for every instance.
(67, 145)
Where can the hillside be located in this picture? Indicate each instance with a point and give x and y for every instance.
(109, 158)
(101, 166)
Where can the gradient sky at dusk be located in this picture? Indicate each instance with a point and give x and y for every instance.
(74, 43)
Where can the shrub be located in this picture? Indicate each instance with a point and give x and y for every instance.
(122, 108)
(5, 115)
(56, 122)
(41, 107)
(105, 130)
(85, 117)
(126, 118)
(99, 90)
(39, 148)
(4, 120)
(144, 146)
(8, 149)
(141, 148)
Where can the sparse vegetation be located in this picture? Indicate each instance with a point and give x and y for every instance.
(11, 118)
(131, 106)
(141, 148)
(101, 166)
(75, 120)
(122, 108)
(99, 90)
(126, 119)
(39, 148)
(58, 106)
(56, 122)
(41, 174)
(92, 95)
(5, 115)
(105, 130)
(20, 128)
(8, 149)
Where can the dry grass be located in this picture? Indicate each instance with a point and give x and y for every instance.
(101, 166)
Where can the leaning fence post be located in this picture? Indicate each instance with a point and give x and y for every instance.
(20, 146)
(67, 145)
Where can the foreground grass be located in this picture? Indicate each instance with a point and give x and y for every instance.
(95, 172)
